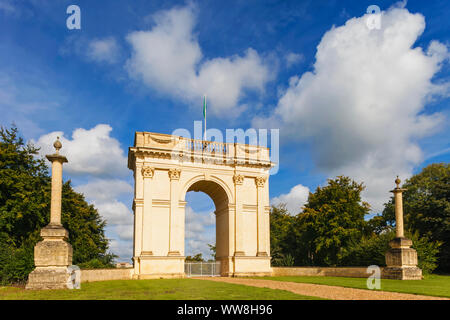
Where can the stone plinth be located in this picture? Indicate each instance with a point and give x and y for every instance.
(401, 261)
(52, 256)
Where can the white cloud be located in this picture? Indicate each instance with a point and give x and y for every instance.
(92, 152)
(198, 232)
(168, 58)
(294, 200)
(103, 50)
(293, 59)
(362, 105)
(104, 189)
(124, 249)
(103, 194)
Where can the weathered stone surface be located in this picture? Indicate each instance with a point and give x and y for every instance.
(397, 257)
(48, 278)
(400, 243)
(55, 253)
(54, 232)
(401, 261)
(402, 273)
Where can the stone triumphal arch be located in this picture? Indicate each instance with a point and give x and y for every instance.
(234, 175)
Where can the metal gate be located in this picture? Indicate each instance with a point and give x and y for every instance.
(202, 269)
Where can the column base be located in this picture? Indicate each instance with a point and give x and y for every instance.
(251, 266)
(155, 267)
(50, 278)
(401, 261)
(402, 273)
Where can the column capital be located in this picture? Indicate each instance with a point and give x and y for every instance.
(56, 157)
(260, 181)
(398, 190)
(147, 172)
(238, 179)
(174, 174)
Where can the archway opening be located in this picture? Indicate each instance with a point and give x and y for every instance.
(206, 225)
(200, 227)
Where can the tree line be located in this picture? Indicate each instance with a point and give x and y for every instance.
(331, 229)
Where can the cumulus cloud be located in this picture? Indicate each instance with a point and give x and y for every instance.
(103, 50)
(293, 59)
(168, 58)
(199, 232)
(103, 194)
(362, 107)
(294, 200)
(124, 249)
(92, 151)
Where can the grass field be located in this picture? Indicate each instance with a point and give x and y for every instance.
(432, 285)
(161, 289)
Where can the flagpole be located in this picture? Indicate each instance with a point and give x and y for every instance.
(204, 108)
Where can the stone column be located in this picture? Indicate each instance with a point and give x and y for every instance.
(239, 223)
(401, 260)
(262, 250)
(147, 245)
(398, 199)
(53, 255)
(174, 176)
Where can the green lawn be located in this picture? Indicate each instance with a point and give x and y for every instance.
(432, 285)
(160, 289)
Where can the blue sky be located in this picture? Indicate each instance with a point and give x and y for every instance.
(368, 103)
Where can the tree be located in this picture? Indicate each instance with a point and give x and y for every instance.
(25, 187)
(280, 242)
(332, 219)
(212, 248)
(197, 258)
(426, 204)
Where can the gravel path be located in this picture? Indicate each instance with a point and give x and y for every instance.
(323, 291)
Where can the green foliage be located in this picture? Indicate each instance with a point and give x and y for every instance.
(213, 250)
(15, 263)
(283, 260)
(197, 258)
(371, 251)
(103, 262)
(280, 241)
(427, 252)
(332, 219)
(25, 188)
(426, 204)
